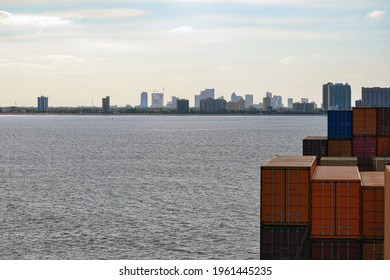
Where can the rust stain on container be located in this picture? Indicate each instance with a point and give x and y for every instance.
(387, 213)
(372, 250)
(383, 146)
(335, 202)
(373, 204)
(339, 148)
(285, 183)
(364, 121)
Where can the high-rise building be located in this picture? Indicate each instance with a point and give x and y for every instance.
(268, 94)
(106, 104)
(267, 104)
(207, 93)
(304, 100)
(248, 100)
(210, 105)
(375, 97)
(336, 96)
(144, 100)
(182, 106)
(43, 104)
(157, 100)
(290, 102)
(276, 101)
(173, 103)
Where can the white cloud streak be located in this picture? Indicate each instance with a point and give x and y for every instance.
(114, 13)
(27, 19)
(183, 29)
(376, 14)
(287, 60)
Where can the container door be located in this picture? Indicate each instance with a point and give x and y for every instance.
(323, 209)
(272, 196)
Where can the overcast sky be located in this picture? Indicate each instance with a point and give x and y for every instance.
(78, 51)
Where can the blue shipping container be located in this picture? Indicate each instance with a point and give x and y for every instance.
(339, 124)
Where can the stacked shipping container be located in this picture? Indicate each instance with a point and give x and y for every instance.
(316, 146)
(372, 215)
(285, 207)
(339, 133)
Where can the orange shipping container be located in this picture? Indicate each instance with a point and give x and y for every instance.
(372, 250)
(364, 121)
(339, 148)
(373, 204)
(335, 202)
(285, 183)
(387, 213)
(383, 146)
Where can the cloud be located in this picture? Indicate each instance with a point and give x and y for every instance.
(27, 19)
(183, 29)
(376, 14)
(287, 60)
(112, 13)
(64, 59)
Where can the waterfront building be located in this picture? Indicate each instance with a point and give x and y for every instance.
(336, 96)
(375, 97)
(43, 104)
(173, 103)
(304, 100)
(210, 105)
(267, 104)
(290, 102)
(144, 100)
(182, 106)
(106, 104)
(304, 107)
(248, 100)
(276, 101)
(268, 94)
(157, 100)
(207, 93)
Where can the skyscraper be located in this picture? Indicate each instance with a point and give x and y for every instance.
(204, 94)
(248, 100)
(106, 104)
(157, 100)
(182, 106)
(375, 97)
(144, 100)
(290, 102)
(336, 96)
(43, 104)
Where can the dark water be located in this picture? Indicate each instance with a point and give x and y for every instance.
(135, 187)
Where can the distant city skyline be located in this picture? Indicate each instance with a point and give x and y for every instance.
(77, 52)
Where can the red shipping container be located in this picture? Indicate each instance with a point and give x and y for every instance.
(383, 121)
(284, 243)
(387, 214)
(364, 148)
(285, 183)
(372, 250)
(373, 205)
(335, 202)
(339, 148)
(383, 146)
(335, 249)
(364, 121)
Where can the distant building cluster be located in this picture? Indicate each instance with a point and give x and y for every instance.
(334, 97)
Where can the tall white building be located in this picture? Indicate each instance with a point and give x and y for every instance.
(157, 100)
(248, 100)
(290, 102)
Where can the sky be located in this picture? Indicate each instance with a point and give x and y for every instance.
(78, 51)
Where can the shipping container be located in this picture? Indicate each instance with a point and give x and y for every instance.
(380, 162)
(383, 121)
(284, 243)
(383, 146)
(373, 205)
(339, 148)
(335, 249)
(285, 183)
(315, 146)
(339, 124)
(364, 121)
(364, 148)
(339, 161)
(372, 250)
(335, 202)
(387, 213)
